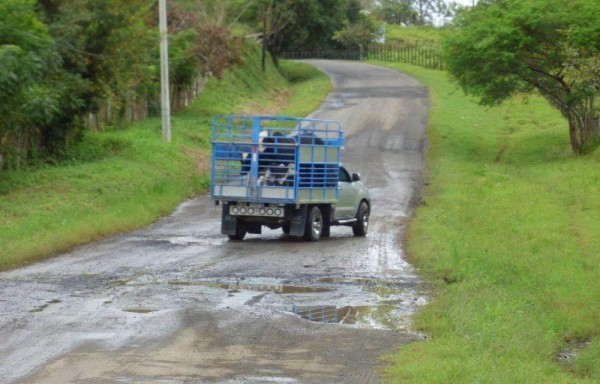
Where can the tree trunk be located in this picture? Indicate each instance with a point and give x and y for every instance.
(573, 133)
(582, 131)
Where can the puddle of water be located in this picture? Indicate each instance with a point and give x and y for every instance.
(44, 306)
(140, 310)
(236, 287)
(377, 316)
(118, 283)
(394, 302)
(366, 282)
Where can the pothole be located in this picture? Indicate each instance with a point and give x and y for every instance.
(366, 282)
(381, 316)
(380, 304)
(274, 288)
(140, 310)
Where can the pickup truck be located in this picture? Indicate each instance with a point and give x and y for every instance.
(284, 172)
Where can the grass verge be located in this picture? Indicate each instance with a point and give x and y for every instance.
(122, 179)
(509, 235)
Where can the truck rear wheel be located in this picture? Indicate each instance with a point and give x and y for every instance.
(314, 224)
(240, 230)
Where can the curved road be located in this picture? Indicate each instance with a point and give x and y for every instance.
(176, 302)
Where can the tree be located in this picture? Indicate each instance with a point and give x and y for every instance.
(200, 43)
(399, 12)
(312, 26)
(275, 16)
(35, 93)
(444, 11)
(359, 31)
(109, 43)
(424, 9)
(504, 47)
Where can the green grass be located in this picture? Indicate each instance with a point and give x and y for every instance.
(122, 179)
(509, 237)
(412, 34)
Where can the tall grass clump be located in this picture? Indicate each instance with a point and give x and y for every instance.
(508, 234)
(127, 177)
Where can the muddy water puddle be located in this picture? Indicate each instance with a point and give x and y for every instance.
(379, 307)
(236, 287)
(381, 316)
(363, 302)
(367, 282)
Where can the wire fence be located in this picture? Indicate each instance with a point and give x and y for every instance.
(424, 55)
(421, 54)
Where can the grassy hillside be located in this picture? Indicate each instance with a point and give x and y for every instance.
(508, 234)
(122, 179)
(413, 34)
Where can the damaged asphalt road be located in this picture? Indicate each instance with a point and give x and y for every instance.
(177, 302)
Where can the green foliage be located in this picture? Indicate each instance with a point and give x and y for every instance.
(108, 43)
(513, 46)
(359, 33)
(34, 93)
(298, 24)
(507, 237)
(71, 64)
(199, 43)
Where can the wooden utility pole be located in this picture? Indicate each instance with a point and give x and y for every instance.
(164, 71)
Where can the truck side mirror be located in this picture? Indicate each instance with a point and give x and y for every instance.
(355, 177)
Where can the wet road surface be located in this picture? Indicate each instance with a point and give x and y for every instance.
(177, 302)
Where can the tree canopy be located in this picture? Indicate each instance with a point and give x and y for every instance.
(64, 65)
(504, 47)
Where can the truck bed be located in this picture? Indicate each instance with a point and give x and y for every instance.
(279, 160)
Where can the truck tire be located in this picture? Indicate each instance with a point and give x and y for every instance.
(285, 227)
(361, 227)
(314, 224)
(240, 231)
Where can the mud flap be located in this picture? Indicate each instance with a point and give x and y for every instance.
(326, 211)
(228, 222)
(298, 221)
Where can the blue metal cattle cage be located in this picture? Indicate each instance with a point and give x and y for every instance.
(271, 159)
